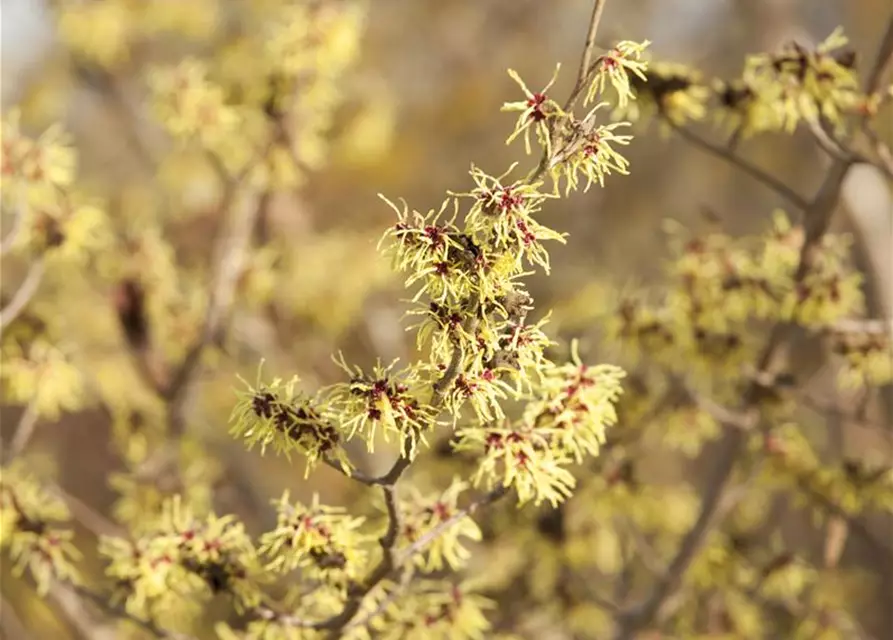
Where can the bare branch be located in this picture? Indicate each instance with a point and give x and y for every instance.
(405, 559)
(24, 431)
(75, 612)
(103, 602)
(598, 8)
(23, 295)
(882, 61)
(17, 225)
(231, 255)
(881, 150)
(745, 166)
(87, 516)
(387, 567)
(460, 515)
(834, 147)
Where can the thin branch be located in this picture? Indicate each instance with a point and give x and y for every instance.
(17, 225)
(746, 421)
(405, 558)
(881, 150)
(433, 534)
(24, 431)
(882, 551)
(73, 609)
(231, 256)
(863, 325)
(87, 516)
(830, 144)
(598, 8)
(365, 619)
(745, 166)
(883, 60)
(104, 602)
(353, 474)
(587, 69)
(23, 295)
(387, 567)
(649, 557)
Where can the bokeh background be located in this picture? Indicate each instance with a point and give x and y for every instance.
(421, 104)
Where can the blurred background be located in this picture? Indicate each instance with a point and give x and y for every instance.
(420, 104)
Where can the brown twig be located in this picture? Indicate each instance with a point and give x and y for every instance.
(24, 430)
(881, 150)
(883, 60)
(390, 564)
(104, 602)
(587, 68)
(23, 294)
(388, 483)
(745, 166)
(18, 224)
(231, 256)
(87, 516)
(405, 558)
(598, 8)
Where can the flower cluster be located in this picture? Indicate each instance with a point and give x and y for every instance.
(620, 67)
(435, 609)
(203, 557)
(721, 285)
(564, 422)
(852, 486)
(687, 428)
(35, 165)
(775, 92)
(323, 542)
(53, 217)
(148, 482)
(384, 402)
(805, 84)
(420, 515)
(590, 152)
(534, 113)
(868, 356)
(307, 47)
(670, 90)
(476, 318)
(103, 33)
(277, 415)
(39, 373)
(309, 37)
(34, 531)
(191, 106)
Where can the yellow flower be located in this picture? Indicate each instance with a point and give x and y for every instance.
(45, 378)
(39, 166)
(190, 106)
(615, 67)
(101, 30)
(534, 112)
